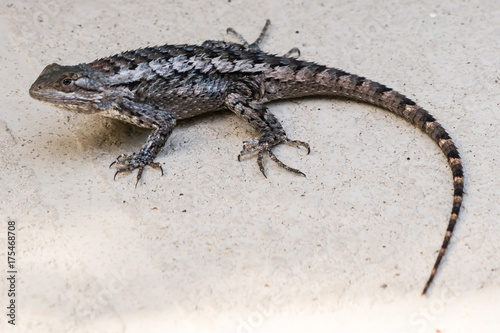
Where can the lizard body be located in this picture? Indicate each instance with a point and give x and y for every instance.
(154, 87)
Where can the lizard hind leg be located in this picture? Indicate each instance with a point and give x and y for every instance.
(241, 99)
(293, 53)
(255, 45)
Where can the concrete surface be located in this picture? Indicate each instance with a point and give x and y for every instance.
(212, 246)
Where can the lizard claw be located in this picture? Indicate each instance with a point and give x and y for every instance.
(294, 53)
(118, 159)
(298, 144)
(263, 146)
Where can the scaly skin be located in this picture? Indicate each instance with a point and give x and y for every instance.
(154, 87)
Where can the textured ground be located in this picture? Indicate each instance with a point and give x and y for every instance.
(212, 245)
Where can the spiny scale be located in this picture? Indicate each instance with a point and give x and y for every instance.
(154, 87)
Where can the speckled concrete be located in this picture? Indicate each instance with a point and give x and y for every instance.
(212, 246)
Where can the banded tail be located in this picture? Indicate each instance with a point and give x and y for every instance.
(331, 81)
(364, 90)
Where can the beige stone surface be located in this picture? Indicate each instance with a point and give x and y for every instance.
(212, 246)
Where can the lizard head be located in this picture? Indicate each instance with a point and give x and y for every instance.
(69, 87)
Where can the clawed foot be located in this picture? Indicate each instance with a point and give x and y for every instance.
(129, 162)
(261, 147)
(293, 53)
(254, 45)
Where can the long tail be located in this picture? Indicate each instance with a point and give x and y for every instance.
(361, 89)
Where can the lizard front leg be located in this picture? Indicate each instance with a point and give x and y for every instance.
(144, 115)
(242, 99)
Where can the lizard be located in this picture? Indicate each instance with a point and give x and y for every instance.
(154, 87)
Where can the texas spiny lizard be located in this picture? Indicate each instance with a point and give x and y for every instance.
(154, 87)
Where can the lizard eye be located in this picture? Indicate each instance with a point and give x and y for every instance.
(67, 81)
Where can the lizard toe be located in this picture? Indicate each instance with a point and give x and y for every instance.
(264, 147)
